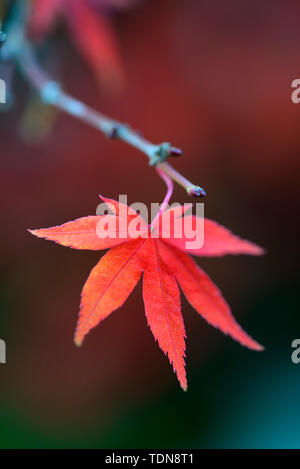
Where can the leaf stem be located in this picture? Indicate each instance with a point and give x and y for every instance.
(170, 186)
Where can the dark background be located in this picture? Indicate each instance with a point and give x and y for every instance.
(214, 78)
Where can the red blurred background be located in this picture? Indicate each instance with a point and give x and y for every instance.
(214, 78)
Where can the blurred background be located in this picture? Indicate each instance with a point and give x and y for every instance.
(214, 78)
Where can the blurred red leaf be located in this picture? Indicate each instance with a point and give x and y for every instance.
(91, 32)
(94, 37)
(43, 16)
(119, 270)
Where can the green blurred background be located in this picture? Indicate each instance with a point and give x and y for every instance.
(214, 78)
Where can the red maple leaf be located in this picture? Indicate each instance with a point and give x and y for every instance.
(90, 31)
(164, 264)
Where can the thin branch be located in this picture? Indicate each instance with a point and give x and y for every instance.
(52, 93)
